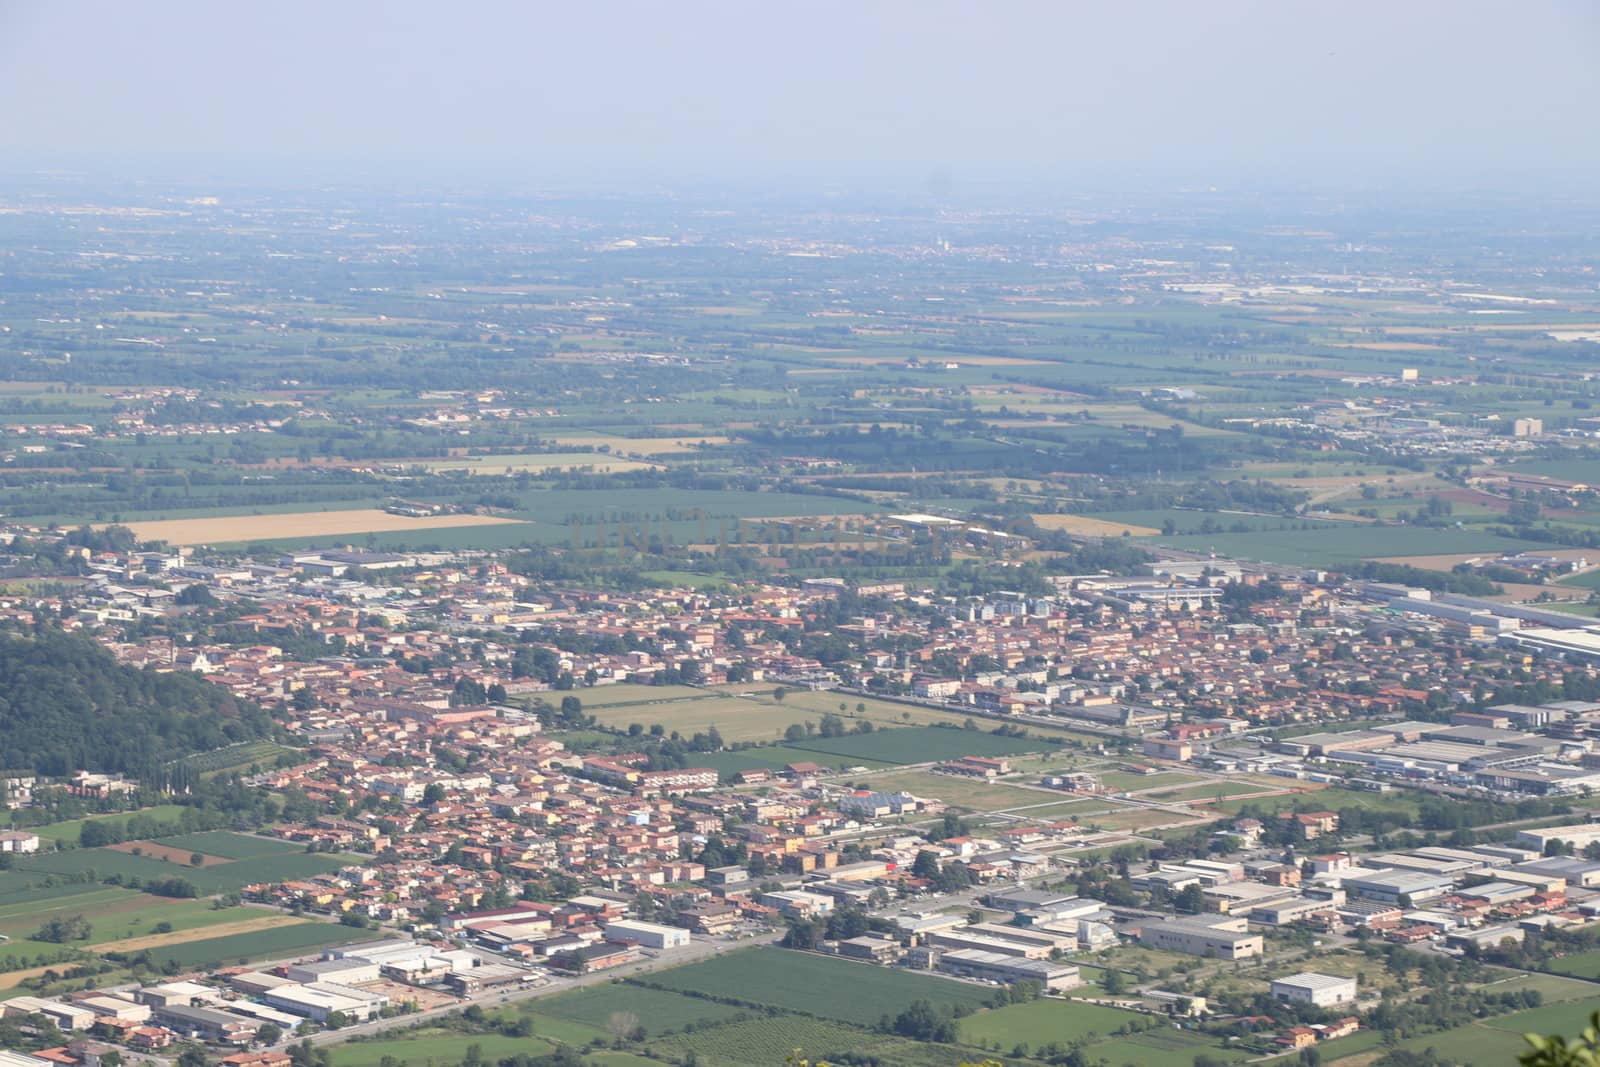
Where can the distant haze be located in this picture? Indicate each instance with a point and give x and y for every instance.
(1454, 93)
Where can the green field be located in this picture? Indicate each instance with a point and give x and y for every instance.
(102, 863)
(438, 1047)
(1160, 1048)
(1578, 965)
(230, 846)
(1331, 546)
(658, 1010)
(272, 943)
(836, 989)
(771, 1040)
(1497, 1041)
(602, 696)
(1042, 1021)
(69, 831)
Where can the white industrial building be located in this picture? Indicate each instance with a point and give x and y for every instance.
(317, 1002)
(1219, 936)
(1308, 987)
(650, 935)
(351, 970)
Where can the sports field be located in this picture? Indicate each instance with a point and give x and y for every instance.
(236, 529)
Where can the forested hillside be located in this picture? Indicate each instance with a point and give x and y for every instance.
(66, 705)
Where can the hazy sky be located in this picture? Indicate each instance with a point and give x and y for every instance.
(1456, 91)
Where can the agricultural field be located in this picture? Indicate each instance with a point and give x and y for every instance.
(229, 845)
(100, 863)
(1089, 526)
(1579, 965)
(439, 1047)
(773, 1039)
(282, 941)
(1333, 545)
(820, 985)
(736, 718)
(240, 757)
(594, 462)
(240, 529)
(605, 696)
(1042, 1021)
(1496, 1041)
(658, 1010)
(1331, 798)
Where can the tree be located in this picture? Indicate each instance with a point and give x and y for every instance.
(269, 1034)
(192, 1055)
(1113, 982)
(622, 1025)
(1191, 899)
(59, 931)
(196, 859)
(1556, 1051)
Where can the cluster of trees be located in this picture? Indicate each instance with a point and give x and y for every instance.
(59, 931)
(1464, 582)
(67, 705)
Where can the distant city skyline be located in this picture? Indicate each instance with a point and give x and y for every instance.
(1357, 93)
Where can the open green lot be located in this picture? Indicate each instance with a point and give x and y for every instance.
(772, 1040)
(1579, 965)
(1136, 783)
(657, 1009)
(435, 1047)
(69, 830)
(836, 989)
(1042, 1021)
(1330, 799)
(1160, 1048)
(1497, 1041)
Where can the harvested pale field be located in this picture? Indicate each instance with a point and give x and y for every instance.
(1084, 526)
(198, 933)
(228, 529)
(12, 979)
(157, 851)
